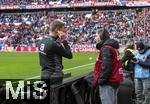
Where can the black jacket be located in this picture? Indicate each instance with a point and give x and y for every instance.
(50, 53)
(107, 64)
(128, 56)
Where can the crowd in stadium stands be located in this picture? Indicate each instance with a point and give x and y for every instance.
(28, 28)
(143, 23)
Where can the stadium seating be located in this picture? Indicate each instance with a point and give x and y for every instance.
(26, 29)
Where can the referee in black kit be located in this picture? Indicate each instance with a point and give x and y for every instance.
(51, 51)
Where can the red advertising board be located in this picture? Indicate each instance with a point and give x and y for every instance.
(5, 7)
(26, 49)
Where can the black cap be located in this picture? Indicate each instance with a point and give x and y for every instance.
(140, 45)
(104, 34)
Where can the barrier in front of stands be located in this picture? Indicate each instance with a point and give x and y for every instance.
(78, 48)
(77, 91)
(26, 49)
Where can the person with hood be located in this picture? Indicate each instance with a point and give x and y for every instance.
(142, 74)
(107, 89)
(127, 58)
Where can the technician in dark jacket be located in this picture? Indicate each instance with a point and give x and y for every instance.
(51, 50)
(129, 56)
(107, 90)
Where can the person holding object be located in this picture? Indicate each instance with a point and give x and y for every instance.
(142, 74)
(108, 67)
(51, 50)
(127, 58)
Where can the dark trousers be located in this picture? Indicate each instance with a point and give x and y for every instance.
(51, 78)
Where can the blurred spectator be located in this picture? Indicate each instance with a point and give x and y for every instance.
(28, 28)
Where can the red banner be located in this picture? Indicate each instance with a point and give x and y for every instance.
(83, 48)
(59, 6)
(26, 49)
(81, 5)
(105, 4)
(9, 7)
(80, 48)
(37, 6)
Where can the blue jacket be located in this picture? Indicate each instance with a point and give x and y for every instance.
(142, 68)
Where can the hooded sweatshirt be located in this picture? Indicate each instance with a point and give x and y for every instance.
(107, 64)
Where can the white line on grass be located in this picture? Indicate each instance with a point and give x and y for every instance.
(64, 71)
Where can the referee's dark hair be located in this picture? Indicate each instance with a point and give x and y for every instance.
(56, 24)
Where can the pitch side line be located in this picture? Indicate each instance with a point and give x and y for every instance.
(64, 70)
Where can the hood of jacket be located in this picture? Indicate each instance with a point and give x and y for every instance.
(110, 42)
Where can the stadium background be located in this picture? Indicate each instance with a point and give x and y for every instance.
(23, 23)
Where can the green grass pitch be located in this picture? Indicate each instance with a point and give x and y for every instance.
(26, 65)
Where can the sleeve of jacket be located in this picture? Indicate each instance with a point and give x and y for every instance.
(127, 56)
(62, 49)
(144, 64)
(107, 65)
